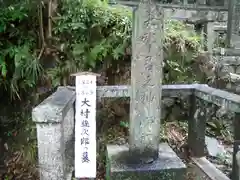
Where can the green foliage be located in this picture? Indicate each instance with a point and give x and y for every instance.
(181, 45)
(98, 33)
(19, 67)
(93, 34)
(87, 35)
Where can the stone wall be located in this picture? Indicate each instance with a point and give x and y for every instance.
(54, 119)
(183, 14)
(222, 71)
(228, 73)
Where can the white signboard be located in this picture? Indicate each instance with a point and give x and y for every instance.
(85, 127)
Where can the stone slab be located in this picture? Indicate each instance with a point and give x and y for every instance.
(55, 107)
(168, 166)
(214, 148)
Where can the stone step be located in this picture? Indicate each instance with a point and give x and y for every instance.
(208, 169)
(168, 166)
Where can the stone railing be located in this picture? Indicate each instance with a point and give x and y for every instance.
(54, 119)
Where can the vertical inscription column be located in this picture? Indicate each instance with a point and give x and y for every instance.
(146, 81)
(197, 126)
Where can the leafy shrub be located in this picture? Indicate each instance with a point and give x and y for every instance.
(19, 68)
(98, 33)
(86, 34)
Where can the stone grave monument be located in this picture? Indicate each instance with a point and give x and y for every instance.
(144, 158)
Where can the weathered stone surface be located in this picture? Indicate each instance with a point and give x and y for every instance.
(233, 22)
(214, 148)
(55, 127)
(210, 37)
(222, 70)
(168, 101)
(226, 58)
(146, 81)
(183, 14)
(68, 133)
(238, 68)
(230, 60)
(196, 126)
(209, 169)
(177, 90)
(222, 98)
(236, 148)
(182, 6)
(227, 51)
(168, 166)
(238, 160)
(50, 151)
(55, 107)
(203, 91)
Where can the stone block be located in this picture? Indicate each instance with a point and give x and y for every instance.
(50, 152)
(55, 107)
(168, 166)
(54, 119)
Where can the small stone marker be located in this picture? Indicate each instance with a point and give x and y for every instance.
(85, 126)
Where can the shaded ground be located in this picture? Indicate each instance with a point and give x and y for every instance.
(21, 159)
(18, 164)
(173, 133)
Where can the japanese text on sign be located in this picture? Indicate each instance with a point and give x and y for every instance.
(85, 128)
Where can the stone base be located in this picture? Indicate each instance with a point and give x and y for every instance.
(168, 166)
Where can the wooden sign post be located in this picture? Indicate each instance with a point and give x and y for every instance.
(85, 126)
